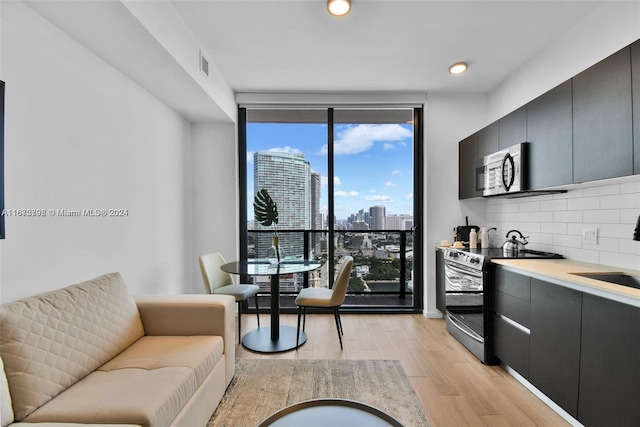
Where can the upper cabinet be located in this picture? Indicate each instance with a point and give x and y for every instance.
(467, 164)
(513, 128)
(635, 81)
(602, 120)
(549, 133)
(586, 129)
(488, 140)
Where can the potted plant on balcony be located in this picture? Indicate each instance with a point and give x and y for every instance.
(266, 213)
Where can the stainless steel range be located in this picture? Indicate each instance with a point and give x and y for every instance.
(468, 300)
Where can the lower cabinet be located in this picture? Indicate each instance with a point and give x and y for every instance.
(580, 350)
(511, 317)
(609, 364)
(555, 343)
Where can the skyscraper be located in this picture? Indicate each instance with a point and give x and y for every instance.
(316, 185)
(287, 178)
(376, 217)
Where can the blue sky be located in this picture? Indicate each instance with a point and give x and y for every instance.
(373, 162)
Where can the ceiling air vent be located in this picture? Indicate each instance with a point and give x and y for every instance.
(204, 64)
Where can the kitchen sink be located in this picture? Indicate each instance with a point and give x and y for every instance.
(613, 277)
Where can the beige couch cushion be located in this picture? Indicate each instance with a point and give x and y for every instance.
(50, 341)
(147, 384)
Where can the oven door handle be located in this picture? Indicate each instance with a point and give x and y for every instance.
(464, 329)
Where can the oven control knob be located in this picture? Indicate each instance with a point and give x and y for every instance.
(453, 255)
(474, 261)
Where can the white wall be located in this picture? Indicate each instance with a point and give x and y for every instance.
(215, 194)
(448, 119)
(79, 135)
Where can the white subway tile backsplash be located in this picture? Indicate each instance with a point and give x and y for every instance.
(604, 190)
(584, 255)
(620, 231)
(617, 259)
(629, 216)
(611, 216)
(604, 244)
(529, 206)
(621, 201)
(542, 216)
(567, 216)
(553, 205)
(554, 228)
(628, 246)
(567, 240)
(555, 223)
(630, 187)
(583, 203)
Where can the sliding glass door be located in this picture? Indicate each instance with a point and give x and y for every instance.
(344, 181)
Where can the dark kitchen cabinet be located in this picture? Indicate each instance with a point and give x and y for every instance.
(510, 321)
(602, 120)
(609, 363)
(549, 133)
(440, 282)
(555, 343)
(513, 128)
(488, 140)
(468, 181)
(635, 80)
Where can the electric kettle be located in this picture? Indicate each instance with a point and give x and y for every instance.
(513, 246)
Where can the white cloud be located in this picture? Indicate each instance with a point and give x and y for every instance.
(396, 172)
(359, 138)
(250, 157)
(336, 181)
(409, 196)
(346, 194)
(324, 181)
(387, 146)
(390, 184)
(379, 198)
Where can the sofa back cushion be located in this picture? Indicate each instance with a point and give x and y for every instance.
(50, 341)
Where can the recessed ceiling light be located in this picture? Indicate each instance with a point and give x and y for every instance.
(458, 68)
(338, 7)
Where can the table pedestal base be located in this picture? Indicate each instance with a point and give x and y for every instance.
(260, 341)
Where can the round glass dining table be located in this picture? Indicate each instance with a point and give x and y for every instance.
(274, 338)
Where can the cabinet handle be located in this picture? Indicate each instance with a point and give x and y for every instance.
(514, 324)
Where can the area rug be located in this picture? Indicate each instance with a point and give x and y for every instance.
(261, 387)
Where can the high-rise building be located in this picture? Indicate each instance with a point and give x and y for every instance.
(316, 216)
(399, 222)
(376, 217)
(287, 178)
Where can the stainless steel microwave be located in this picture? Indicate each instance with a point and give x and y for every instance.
(505, 170)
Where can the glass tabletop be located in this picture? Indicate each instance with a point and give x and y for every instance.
(264, 268)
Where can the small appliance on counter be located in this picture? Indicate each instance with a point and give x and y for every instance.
(462, 232)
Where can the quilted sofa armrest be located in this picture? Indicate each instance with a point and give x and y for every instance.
(185, 314)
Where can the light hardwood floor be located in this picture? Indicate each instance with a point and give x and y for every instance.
(454, 387)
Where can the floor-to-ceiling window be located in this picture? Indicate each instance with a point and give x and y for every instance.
(347, 181)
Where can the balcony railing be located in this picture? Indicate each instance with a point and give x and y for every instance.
(381, 274)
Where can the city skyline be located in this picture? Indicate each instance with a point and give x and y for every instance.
(373, 163)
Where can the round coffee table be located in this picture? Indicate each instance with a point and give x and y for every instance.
(330, 412)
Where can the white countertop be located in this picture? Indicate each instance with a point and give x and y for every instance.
(558, 271)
